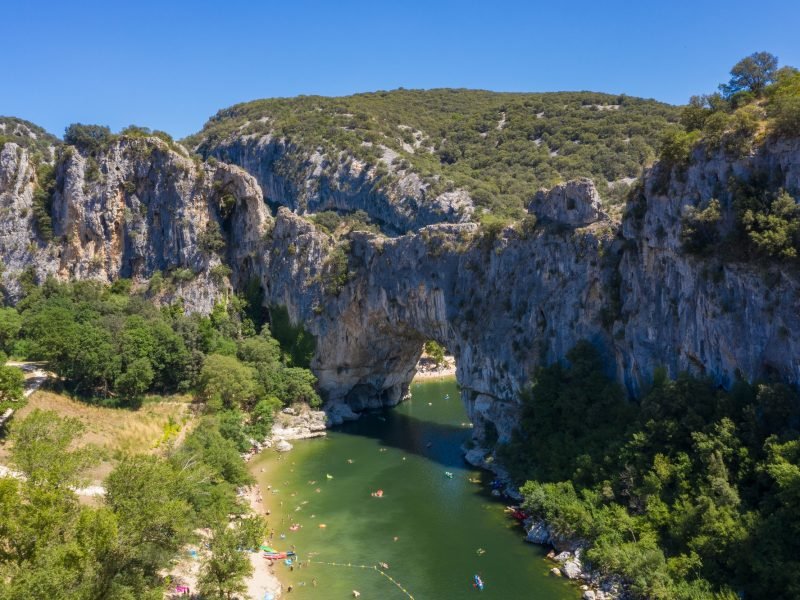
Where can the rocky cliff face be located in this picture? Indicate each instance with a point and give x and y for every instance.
(309, 182)
(706, 315)
(501, 302)
(504, 305)
(132, 210)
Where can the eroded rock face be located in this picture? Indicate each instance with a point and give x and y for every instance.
(501, 303)
(706, 315)
(503, 306)
(20, 242)
(574, 203)
(307, 182)
(137, 208)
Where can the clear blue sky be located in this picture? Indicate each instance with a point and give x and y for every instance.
(172, 64)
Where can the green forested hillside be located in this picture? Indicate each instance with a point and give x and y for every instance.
(501, 147)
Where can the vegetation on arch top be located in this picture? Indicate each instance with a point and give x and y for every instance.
(501, 147)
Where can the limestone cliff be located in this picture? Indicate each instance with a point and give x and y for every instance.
(307, 181)
(502, 302)
(137, 208)
(506, 304)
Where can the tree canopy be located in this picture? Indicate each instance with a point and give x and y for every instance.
(691, 494)
(752, 74)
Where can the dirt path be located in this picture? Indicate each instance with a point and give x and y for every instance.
(35, 375)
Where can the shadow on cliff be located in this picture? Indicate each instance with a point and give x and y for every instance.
(439, 442)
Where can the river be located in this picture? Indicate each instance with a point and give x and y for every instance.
(434, 532)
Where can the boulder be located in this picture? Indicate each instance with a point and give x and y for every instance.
(589, 595)
(476, 457)
(283, 446)
(538, 533)
(563, 557)
(572, 568)
(339, 412)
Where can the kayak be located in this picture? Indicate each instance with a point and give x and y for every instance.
(277, 555)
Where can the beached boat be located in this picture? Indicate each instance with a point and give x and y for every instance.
(278, 555)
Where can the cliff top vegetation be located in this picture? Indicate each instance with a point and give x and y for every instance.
(26, 134)
(760, 102)
(501, 147)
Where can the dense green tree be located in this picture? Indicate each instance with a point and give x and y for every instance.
(225, 382)
(775, 232)
(752, 74)
(153, 522)
(592, 414)
(224, 572)
(43, 449)
(700, 229)
(12, 384)
(87, 138)
(10, 326)
(693, 480)
(135, 380)
(298, 386)
(217, 452)
(435, 351)
(262, 417)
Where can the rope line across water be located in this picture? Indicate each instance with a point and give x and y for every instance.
(373, 567)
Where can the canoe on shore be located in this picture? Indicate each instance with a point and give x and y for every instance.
(277, 555)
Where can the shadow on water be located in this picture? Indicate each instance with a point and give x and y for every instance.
(437, 442)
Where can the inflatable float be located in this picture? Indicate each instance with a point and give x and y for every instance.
(478, 583)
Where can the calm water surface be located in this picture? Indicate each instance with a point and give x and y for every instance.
(427, 527)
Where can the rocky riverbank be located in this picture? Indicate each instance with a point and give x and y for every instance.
(292, 423)
(566, 553)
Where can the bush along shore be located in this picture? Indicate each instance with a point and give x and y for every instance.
(567, 554)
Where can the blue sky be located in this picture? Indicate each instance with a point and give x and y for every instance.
(172, 64)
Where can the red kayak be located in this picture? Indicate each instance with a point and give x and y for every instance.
(277, 555)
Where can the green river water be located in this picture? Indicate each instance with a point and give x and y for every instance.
(439, 523)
